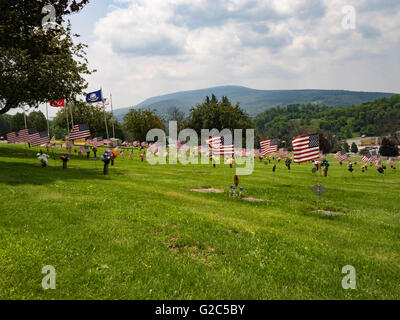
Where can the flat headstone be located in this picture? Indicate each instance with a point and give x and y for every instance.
(208, 190)
(331, 213)
(250, 199)
(319, 189)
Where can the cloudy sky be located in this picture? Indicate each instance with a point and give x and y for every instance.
(144, 48)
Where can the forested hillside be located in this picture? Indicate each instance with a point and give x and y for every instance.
(376, 118)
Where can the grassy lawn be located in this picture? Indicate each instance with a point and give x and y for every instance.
(140, 233)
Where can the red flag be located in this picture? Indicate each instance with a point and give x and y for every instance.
(58, 103)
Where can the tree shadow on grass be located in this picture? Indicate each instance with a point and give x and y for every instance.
(17, 173)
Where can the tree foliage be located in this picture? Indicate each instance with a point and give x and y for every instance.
(388, 148)
(38, 65)
(138, 122)
(175, 114)
(214, 114)
(354, 148)
(377, 118)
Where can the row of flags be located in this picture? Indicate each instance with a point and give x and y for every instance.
(35, 138)
(28, 135)
(371, 156)
(306, 148)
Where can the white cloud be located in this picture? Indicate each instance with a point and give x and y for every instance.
(151, 47)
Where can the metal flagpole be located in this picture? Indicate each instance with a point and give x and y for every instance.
(72, 116)
(47, 115)
(66, 111)
(104, 109)
(26, 127)
(112, 112)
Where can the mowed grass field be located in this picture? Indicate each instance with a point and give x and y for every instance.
(140, 233)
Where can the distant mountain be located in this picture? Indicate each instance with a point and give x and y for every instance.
(256, 101)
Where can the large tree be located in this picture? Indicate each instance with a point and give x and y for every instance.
(215, 114)
(388, 148)
(138, 122)
(39, 65)
(175, 114)
(37, 120)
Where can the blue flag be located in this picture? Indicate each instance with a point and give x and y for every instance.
(94, 97)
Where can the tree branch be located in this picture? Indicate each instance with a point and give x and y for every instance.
(9, 105)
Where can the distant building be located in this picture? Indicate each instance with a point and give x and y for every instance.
(365, 142)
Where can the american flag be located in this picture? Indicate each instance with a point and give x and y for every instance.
(98, 142)
(269, 146)
(214, 141)
(22, 135)
(375, 156)
(11, 137)
(306, 148)
(39, 138)
(367, 157)
(221, 145)
(80, 131)
(341, 155)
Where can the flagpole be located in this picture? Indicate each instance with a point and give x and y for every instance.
(26, 127)
(47, 115)
(104, 110)
(66, 111)
(72, 116)
(112, 112)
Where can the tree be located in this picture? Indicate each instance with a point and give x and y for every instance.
(18, 122)
(38, 65)
(388, 148)
(37, 120)
(346, 147)
(138, 122)
(214, 114)
(324, 144)
(354, 148)
(174, 114)
(5, 124)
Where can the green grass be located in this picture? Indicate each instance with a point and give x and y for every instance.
(140, 233)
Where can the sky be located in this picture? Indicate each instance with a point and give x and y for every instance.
(146, 48)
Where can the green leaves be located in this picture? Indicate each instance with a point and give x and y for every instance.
(38, 65)
(138, 122)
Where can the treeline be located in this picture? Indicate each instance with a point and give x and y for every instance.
(378, 118)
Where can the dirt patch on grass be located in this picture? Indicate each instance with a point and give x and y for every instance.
(203, 255)
(208, 190)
